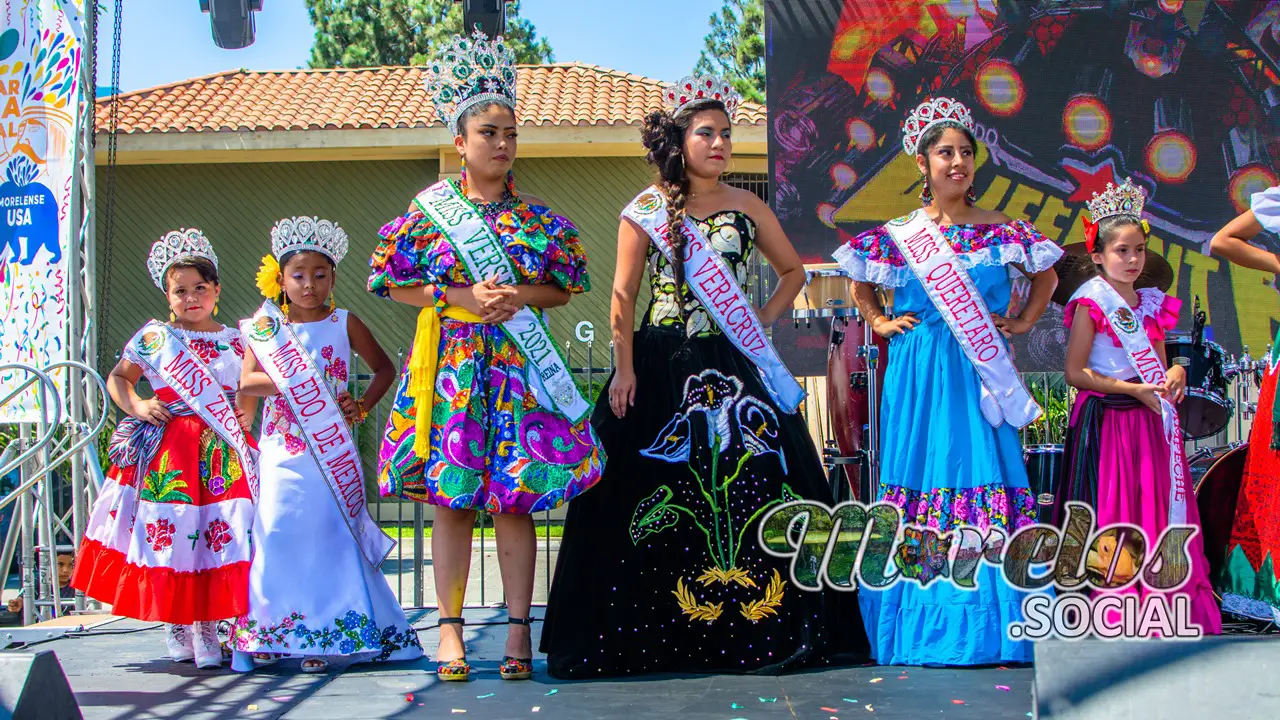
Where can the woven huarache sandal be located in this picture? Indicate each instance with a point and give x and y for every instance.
(457, 670)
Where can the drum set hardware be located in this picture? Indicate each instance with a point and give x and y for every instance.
(1044, 470)
(855, 375)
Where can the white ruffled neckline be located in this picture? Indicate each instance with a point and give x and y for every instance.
(1042, 256)
(225, 333)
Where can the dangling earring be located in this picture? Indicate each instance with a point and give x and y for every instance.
(172, 317)
(926, 195)
(463, 180)
(970, 196)
(332, 304)
(284, 306)
(215, 309)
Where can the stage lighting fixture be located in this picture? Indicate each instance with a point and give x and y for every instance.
(489, 15)
(1245, 155)
(1000, 88)
(1154, 47)
(1086, 118)
(232, 21)
(1171, 153)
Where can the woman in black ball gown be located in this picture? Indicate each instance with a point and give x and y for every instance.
(660, 568)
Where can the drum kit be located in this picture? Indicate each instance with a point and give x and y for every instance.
(856, 359)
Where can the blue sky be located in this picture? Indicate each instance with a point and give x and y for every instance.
(166, 41)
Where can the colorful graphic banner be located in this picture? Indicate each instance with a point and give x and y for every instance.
(39, 107)
(1184, 97)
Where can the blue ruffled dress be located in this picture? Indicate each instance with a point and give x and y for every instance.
(942, 462)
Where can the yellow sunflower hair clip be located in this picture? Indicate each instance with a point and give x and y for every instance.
(269, 277)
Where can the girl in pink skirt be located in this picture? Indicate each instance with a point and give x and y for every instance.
(1119, 456)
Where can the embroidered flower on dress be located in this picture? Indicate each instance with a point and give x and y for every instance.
(207, 349)
(160, 534)
(218, 535)
(237, 345)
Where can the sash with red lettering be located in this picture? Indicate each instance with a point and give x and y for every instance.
(711, 280)
(166, 354)
(1146, 362)
(958, 300)
(324, 428)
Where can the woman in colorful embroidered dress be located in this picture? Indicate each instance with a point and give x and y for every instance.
(168, 538)
(1250, 581)
(487, 440)
(942, 461)
(1117, 457)
(660, 568)
(312, 592)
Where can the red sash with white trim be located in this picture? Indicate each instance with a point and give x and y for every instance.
(324, 428)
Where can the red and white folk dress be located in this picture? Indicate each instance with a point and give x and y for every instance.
(169, 538)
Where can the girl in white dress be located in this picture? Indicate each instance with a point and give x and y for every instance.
(313, 589)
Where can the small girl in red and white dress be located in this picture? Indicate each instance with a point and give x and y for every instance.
(1118, 459)
(168, 539)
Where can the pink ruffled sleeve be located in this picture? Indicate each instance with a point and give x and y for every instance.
(1159, 314)
(1100, 323)
(1162, 313)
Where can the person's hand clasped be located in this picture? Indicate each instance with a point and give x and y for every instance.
(622, 392)
(495, 303)
(887, 328)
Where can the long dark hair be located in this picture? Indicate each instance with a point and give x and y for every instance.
(663, 136)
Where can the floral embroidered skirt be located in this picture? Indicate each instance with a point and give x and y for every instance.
(170, 542)
(493, 447)
(311, 591)
(661, 568)
(945, 465)
(1249, 583)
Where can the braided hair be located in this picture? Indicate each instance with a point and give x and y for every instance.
(663, 136)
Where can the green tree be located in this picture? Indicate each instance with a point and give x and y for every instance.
(370, 33)
(735, 47)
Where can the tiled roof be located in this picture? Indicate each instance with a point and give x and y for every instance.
(570, 94)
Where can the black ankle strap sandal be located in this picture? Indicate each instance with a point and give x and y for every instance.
(454, 670)
(517, 668)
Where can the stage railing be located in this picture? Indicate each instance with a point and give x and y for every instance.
(46, 519)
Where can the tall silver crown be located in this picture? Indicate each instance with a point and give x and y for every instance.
(697, 88)
(1127, 199)
(309, 233)
(469, 71)
(929, 113)
(175, 246)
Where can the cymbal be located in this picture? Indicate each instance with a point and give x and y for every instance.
(1075, 268)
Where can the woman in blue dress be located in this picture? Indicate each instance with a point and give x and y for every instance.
(943, 462)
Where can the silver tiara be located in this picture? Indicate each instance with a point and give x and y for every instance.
(309, 233)
(699, 88)
(470, 71)
(178, 245)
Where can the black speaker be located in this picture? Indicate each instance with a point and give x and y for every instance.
(489, 15)
(33, 686)
(1220, 676)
